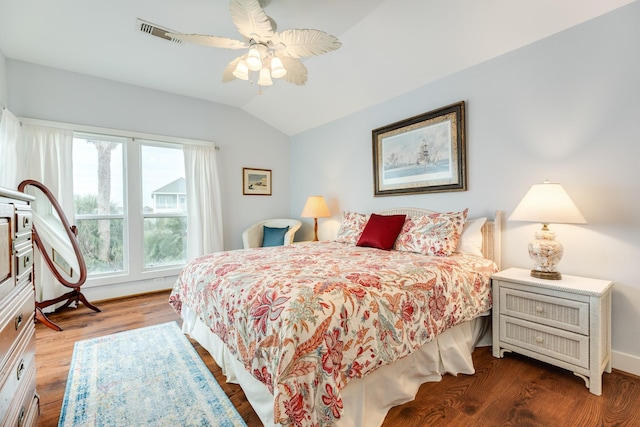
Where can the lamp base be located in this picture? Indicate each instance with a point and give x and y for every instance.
(549, 275)
(315, 229)
(546, 252)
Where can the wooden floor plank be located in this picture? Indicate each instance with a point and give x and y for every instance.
(513, 391)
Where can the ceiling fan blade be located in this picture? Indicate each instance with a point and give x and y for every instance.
(296, 71)
(303, 43)
(211, 41)
(251, 20)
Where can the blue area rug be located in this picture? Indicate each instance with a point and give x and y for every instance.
(145, 377)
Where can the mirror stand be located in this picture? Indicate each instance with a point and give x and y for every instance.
(57, 242)
(71, 297)
(42, 318)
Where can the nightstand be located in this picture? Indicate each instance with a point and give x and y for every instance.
(566, 322)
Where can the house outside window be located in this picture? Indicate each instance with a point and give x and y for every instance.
(171, 197)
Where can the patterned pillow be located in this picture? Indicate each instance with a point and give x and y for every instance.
(351, 228)
(436, 234)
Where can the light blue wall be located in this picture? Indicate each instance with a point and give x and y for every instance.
(50, 94)
(565, 109)
(3, 81)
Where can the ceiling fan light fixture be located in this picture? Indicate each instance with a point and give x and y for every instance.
(242, 70)
(277, 69)
(278, 52)
(265, 77)
(254, 61)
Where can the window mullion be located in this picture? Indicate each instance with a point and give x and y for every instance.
(134, 207)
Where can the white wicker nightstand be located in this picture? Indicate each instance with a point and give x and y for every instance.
(566, 323)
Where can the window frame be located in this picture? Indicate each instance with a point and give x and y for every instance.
(144, 215)
(124, 216)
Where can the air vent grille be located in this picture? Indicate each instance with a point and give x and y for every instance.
(155, 30)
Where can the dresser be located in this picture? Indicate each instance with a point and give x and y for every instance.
(566, 322)
(19, 402)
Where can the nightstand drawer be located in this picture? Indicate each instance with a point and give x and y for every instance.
(566, 346)
(561, 313)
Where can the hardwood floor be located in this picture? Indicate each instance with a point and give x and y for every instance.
(513, 391)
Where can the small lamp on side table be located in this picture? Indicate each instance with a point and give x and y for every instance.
(546, 203)
(315, 208)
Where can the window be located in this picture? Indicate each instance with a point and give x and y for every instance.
(99, 201)
(130, 204)
(165, 222)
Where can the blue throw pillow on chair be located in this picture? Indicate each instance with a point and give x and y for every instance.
(272, 236)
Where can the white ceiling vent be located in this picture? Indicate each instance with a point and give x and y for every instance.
(155, 30)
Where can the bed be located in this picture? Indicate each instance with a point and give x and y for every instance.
(338, 332)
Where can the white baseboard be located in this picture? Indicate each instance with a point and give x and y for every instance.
(118, 290)
(625, 362)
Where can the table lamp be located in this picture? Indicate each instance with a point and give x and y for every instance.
(546, 203)
(315, 208)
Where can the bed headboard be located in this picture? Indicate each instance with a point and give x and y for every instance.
(491, 231)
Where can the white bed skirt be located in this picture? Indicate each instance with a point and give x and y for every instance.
(366, 400)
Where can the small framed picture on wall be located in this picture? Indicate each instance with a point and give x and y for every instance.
(256, 182)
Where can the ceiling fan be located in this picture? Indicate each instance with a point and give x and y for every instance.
(271, 53)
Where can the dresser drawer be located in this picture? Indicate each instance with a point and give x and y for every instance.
(6, 287)
(30, 411)
(24, 408)
(562, 345)
(18, 374)
(11, 298)
(24, 260)
(14, 319)
(561, 313)
(23, 220)
(5, 250)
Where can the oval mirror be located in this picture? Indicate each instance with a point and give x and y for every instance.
(57, 242)
(54, 237)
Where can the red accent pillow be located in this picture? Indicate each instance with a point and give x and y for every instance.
(381, 231)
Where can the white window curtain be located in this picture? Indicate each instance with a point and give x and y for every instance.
(46, 156)
(9, 132)
(204, 217)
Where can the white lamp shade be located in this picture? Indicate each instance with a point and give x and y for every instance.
(265, 77)
(242, 71)
(254, 62)
(547, 203)
(277, 69)
(315, 207)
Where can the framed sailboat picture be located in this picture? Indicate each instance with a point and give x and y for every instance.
(421, 154)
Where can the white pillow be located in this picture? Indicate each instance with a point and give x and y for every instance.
(471, 237)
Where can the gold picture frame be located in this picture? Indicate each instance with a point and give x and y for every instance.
(256, 182)
(421, 154)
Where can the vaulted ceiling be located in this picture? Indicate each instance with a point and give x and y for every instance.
(389, 47)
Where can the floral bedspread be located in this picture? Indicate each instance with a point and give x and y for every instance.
(305, 319)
